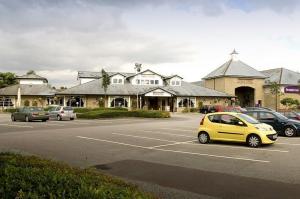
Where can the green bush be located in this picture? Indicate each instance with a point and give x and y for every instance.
(85, 110)
(192, 110)
(26, 103)
(32, 177)
(121, 113)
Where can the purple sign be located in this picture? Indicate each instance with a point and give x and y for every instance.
(292, 89)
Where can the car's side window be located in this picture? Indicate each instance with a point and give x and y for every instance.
(229, 119)
(266, 116)
(214, 118)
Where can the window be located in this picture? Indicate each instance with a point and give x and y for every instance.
(151, 82)
(186, 103)
(156, 82)
(137, 81)
(177, 83)
(172, 83)
(6, 102)
(119, 102)
(115, 81)
(229, 119)
(266, 116)
(253, 114)
(120, 81)
(75, 101)
(214, 118)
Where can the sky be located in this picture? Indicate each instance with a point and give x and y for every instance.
(56, 38)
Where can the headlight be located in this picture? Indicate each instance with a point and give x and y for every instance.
(264, 128)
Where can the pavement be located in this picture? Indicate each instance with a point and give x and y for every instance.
(163, 156)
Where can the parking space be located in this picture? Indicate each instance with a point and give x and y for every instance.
(170, 142)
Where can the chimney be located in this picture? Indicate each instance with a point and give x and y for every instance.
(138, 67)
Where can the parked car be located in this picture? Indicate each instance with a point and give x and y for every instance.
(281, 124)
(62, 112)
(236, 109)
(258, 109)
(28, 114)
(292, 115)
(237, 127)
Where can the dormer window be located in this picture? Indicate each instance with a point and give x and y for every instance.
(117, 81)
(175, 83)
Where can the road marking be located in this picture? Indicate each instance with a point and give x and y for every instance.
(13, 125)
(142, 137)
(185, 130)
(176, 143)
(70, 122)
(174, 151)
(237, 147)
(188, 136)
(288, 144)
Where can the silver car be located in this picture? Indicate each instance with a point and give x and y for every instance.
(62, 112)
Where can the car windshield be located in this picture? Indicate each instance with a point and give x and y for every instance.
(34, 109)
(280, 116)
(248, 118)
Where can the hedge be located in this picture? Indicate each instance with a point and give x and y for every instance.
(33, 177)
(85, 110)
(114, 114)
(10, 110)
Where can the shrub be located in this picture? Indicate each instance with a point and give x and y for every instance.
(192, 110)
(122, 113)
(10, 110)
(85, 110)
(32, 177)
(26, 103)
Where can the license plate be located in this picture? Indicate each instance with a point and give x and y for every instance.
(41, 113)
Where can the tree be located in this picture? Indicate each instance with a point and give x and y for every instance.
(275, 91)
(30, 72)
(105, 81)
(7, 79)
(289, 102)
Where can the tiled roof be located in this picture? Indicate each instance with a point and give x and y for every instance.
(31, 76)
(95, 88)
(33, 90)
(235, 68)
(97, 75)
(282, 76)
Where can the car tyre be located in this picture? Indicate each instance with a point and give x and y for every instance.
(254, 141)
(27, 119)
(44, 120)
(59, 118)
(13, 118)
(72, 118)
(289, 131)
(203, 138)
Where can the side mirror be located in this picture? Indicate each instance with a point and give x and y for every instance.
(241, 123)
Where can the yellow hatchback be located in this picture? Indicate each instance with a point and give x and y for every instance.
(235, 127)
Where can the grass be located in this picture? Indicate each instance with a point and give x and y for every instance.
(33, 177)
(123, 113)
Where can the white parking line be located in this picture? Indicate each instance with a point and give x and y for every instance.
(184, 130)
(173, 134)
(288, 144)
(174, 151)
(176, 143)
(13, 125)
(237, 147)
(142, 137)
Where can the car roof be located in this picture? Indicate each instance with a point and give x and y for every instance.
(221, 113)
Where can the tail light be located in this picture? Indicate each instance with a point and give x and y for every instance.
(298, 117)
(202, 121)
(62, 111)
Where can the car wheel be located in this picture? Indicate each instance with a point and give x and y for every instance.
(71, 118)
(203, 138)
(26, 119)
(289, 131)
(59, 118)
(44, 120)
(254, 141)
(13, 118)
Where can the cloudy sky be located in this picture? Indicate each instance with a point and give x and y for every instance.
(57, 38)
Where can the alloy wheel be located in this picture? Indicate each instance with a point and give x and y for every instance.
(289, 132)
(203, 138)
(253, 141)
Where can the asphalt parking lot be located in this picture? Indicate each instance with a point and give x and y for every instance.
(163, 156)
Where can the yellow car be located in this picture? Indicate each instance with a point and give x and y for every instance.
(237, 127)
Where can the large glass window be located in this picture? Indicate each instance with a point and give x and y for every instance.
(75, 101)
(119, 102)
(6, 102)
(186, 103)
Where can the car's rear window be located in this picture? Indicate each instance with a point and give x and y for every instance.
(68, 108)
(33, 109)
(214, 118)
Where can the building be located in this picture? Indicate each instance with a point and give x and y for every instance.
(31, 90)
(250, 86)
(141, 89)
(289, 83)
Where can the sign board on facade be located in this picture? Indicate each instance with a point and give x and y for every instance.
(292, 89)
(158, 93)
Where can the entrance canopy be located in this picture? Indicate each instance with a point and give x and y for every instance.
(158, 92)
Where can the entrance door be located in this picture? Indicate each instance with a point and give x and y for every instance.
(153, 103)
(245, 96)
